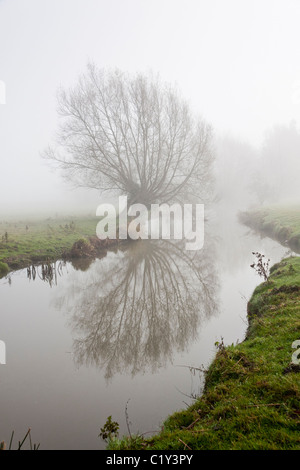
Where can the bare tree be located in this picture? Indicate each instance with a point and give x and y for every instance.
(135, 135)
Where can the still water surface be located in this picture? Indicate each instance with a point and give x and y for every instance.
(118, 336)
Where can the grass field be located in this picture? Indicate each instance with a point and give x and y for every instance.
(31, 241)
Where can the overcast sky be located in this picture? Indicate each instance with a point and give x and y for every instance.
(237, 61)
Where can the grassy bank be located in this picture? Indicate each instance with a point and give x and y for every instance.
(32, 241)
(281, 223)
(252, 394)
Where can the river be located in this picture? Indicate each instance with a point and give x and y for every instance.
(123, 335)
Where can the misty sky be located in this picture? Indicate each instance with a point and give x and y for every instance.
(237, 61)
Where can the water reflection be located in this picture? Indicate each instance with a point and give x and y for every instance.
(134, 309)
(47, 272)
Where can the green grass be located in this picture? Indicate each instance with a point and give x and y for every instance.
(4, 269)
(32, 241)
(251, 399)
(279, 222)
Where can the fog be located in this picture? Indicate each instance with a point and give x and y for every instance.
(237, 63)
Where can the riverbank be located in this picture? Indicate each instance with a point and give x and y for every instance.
(27, 242)
(252, 393)
(281, 223)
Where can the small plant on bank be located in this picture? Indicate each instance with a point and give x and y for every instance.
(261, 265)
(109, 430)
(32, 446)
(5, 237)
(110, 434)
(220, 345)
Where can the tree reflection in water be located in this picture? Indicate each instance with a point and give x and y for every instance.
(133, 309)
